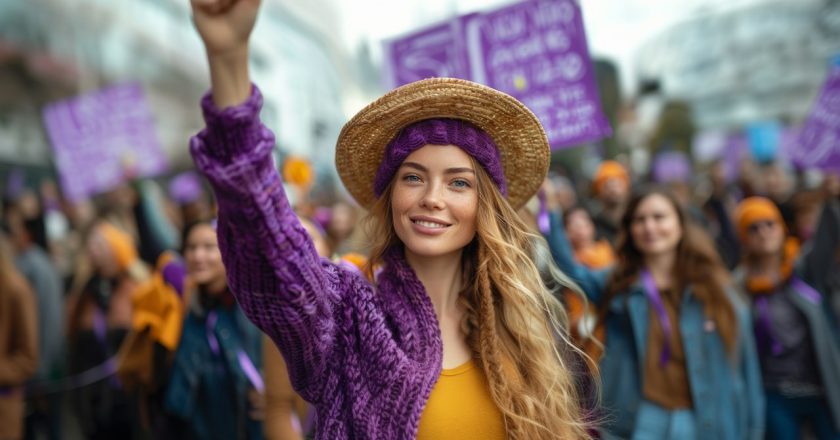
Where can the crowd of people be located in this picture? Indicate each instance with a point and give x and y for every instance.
(483, 298)
(118, 320)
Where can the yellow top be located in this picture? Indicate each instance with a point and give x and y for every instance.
(460, 407)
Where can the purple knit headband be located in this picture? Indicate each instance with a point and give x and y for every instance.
(468, 137)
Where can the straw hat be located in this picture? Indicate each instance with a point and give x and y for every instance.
(515, 130)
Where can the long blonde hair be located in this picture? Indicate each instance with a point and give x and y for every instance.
(515, 327)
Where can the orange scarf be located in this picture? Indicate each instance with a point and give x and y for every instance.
(764, 285)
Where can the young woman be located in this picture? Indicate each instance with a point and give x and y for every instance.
(679, 361)
(100, 314)
(215, 384)
(457, 337)
(799, 345)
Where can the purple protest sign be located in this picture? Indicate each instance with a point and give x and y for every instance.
(101, 138)
(536, 51)
(818, 144)
(437, 51)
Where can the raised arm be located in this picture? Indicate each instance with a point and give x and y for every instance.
(593, 283)
(273, 270)
(225, 27)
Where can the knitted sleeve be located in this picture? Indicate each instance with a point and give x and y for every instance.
(272, 266)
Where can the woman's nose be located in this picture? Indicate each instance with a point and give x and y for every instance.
(433, 197)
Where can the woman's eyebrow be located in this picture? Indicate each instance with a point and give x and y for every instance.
(454, 170)
(459, 170)
(416, 166)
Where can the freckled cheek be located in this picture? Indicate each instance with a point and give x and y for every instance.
(401, 200)
(465, 209)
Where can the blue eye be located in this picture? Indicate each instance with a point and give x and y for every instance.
(460, 183)
(411, 178)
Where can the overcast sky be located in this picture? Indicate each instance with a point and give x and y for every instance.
(615, 28)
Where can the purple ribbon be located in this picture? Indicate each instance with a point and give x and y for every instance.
(100, 328)
(211, 334)
(250, 371)
(245, 362)
(543, 221)
(652, 293)
(806, 291)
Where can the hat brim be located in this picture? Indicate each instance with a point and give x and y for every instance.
(516, 131)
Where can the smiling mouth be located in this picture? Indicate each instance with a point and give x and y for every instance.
(430, 224)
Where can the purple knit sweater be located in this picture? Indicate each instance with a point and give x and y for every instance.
(366, 358)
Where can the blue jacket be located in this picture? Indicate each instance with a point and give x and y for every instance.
(727, 393)
(210, 392)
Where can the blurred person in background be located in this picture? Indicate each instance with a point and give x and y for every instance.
(117, 207)
(146, 356)
(798, 341)
(563, 190)
(611, 187)
(806, 207)
(58, 228)
(215, 390)
(138, 207)
(777, 185)
(100, 314)
(36, 266)
(749, 181)
(717, 208)
(594, 254)
(679, 359)
(18, 343)
(344, 217)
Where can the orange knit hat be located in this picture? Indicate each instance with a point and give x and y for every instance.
(120, 243)
(755, 209)
(609, 169)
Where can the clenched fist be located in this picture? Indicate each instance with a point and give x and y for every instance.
(225, 25)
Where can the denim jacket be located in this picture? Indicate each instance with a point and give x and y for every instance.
(726, 390)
